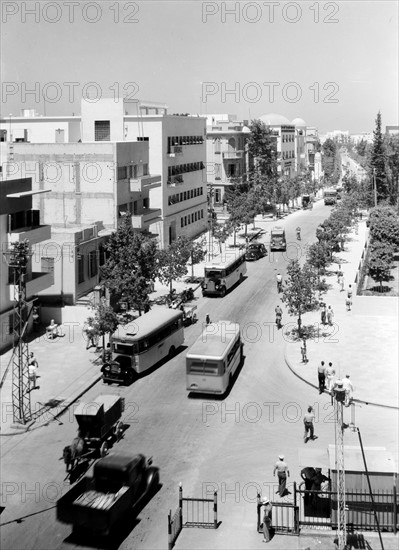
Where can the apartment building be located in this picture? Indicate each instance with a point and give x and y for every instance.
(226, 152)
(177, 152)
(19, 221)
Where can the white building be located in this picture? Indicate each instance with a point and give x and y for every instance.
(284, 133)
(226, 153)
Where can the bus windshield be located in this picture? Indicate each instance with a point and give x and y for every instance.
(125, 349)
(214, 273)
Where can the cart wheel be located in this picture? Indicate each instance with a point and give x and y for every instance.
(104, 449)
(118, 430)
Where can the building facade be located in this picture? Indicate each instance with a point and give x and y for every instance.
(284, 133)
(19, 221)
(226, 152)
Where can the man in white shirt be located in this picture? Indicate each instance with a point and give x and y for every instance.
(348, 387)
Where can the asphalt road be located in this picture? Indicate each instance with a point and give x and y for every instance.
(229, 445)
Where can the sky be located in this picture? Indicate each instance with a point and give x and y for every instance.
(333, 64)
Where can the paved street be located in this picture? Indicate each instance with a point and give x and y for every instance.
(229, 445)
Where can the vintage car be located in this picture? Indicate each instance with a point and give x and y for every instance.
(254, 251)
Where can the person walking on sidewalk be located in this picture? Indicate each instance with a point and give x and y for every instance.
(348, 387)
(341, 282)
(207, 319)
(267, 519)
(323, 313)
(279, 316)
(330, 373)
(309, 428)
(321, 373)
(330, 315)
(349, 299)
(282, 473)
(32, 371)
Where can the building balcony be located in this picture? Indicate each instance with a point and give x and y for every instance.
(144, 183)
(233, 155)
(35, 282)
(176, 151)
(34, 235)
(173, 181)
(145, 216)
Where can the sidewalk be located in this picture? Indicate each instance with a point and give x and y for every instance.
(360, 340)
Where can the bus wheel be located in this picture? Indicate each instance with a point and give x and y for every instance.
(172, 352)
(223, 292)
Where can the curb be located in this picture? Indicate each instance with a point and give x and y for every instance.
(316, 387)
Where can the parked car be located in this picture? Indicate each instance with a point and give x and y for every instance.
(254, 251)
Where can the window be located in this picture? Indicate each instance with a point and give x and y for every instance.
(182, 222)
(102, 130)
(143, 139)
(195, 216)
(202, 214)
(192, 217)
(93, 264)
(185, 220)
(47, 265)
(81, 268)
(145, 169)
(122, 172)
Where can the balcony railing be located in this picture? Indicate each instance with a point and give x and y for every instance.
(175, 180)
(144, 182)
(34, 235)
(230, 155)
(176, 151)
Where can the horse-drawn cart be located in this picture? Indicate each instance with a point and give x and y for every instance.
(99, 427)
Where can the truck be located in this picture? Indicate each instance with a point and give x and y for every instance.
(119, 482)
(277, 239)
(330, 196)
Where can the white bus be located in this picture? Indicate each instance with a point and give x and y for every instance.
(214, 358)
(138, 346)
(221, 277)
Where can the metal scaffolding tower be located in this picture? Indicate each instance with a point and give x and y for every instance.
(17, 259)
(339, 399)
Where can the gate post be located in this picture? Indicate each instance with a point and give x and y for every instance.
(181, 503)
(215, 510)
(170, 542)
(258, 512)
(394, 510)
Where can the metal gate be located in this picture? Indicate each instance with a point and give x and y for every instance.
(285, 518)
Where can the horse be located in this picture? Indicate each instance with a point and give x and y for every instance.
(73, 452)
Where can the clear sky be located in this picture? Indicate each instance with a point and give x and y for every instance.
(334, 64)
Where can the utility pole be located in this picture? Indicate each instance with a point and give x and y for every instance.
(338, 395)
(17, 258)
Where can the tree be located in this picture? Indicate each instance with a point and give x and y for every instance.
(220, 232)
(384, 225)
(197, 253)
(172, 262)
(392, 152)
(318, 256)
(105, 320)
(130, 266)
(262, 147)
(299, 293)
(378, 162)
(241, 205)
(380, 262)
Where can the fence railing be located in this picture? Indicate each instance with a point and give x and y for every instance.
(192, 512)
(285, 517)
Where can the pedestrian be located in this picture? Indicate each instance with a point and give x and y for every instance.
(90, 333)
(279, 315)
(323, 313)
(32, 371)
(330, 373)
(317, 480)
(321, 373)
(339, 272)
(330, 315)
(207, 319)
(341, 282)
(307, 474)
(349, 299)
(282, 473)
(348, 387)
(309, 428)
(267, 519)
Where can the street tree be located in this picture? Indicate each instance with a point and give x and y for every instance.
(378, 162)
(392, 152)
(105, 320)
(380, 262)
(172, 261)
(318, 256)
(197, 253)
(130, 266)
(221, 233)
(299, 293)
(262, 147)
(241, 205)
(384, 225)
